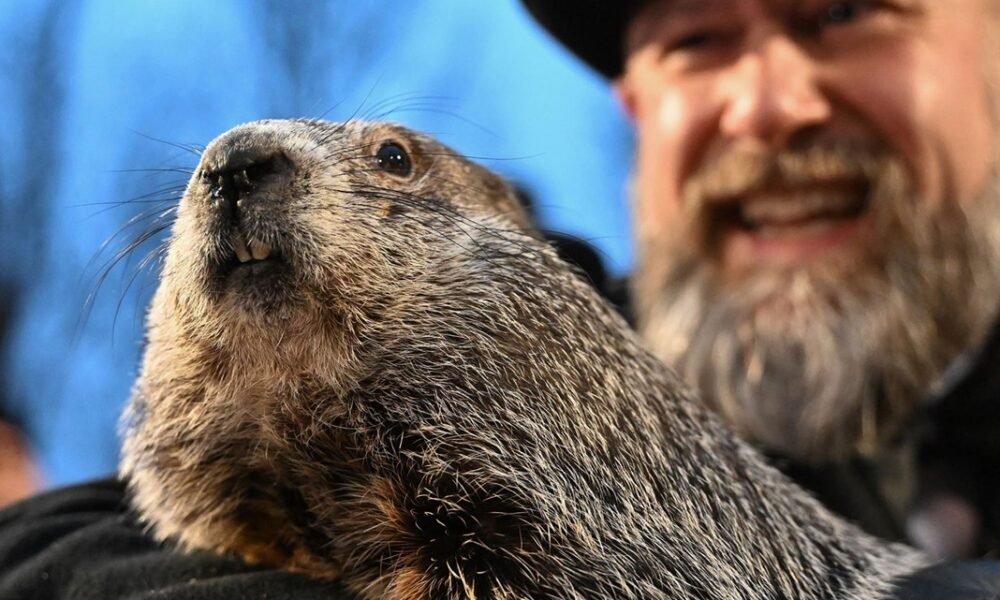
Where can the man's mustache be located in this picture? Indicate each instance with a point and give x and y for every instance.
(737, 174)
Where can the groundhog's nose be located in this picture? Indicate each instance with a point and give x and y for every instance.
(243, 171)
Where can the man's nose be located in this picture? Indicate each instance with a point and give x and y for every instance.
(772, 93)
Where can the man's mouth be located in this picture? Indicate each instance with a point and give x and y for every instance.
(788, 225)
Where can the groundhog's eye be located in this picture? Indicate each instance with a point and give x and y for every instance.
(391, 158)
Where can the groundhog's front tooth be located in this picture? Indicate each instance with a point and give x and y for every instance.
(240, 247)
(260, 250)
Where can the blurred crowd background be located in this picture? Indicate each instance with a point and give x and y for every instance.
(105, 102)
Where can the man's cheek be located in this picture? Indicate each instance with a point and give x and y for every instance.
(658, 208)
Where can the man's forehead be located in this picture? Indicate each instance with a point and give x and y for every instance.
(672, 7)
(651, 15)
(667, 8)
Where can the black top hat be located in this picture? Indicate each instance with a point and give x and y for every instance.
(593, 29)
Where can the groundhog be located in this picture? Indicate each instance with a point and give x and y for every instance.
(362, 364)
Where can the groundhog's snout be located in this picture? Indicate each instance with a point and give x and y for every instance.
(243, 173)
(243, 189)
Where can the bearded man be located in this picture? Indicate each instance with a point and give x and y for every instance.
(818, 235)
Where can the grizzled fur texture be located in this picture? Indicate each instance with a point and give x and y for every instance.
(417, 396)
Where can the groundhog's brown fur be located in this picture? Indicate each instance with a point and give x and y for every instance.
(415, 395)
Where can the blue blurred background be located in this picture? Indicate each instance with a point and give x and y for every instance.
(102, 98)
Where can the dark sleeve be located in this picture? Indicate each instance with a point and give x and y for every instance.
(80, 543)
(971, 580)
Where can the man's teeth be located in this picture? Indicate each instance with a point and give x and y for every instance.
(256, 250)
(782, 209)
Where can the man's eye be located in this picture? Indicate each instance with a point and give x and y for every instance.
(839, 13)
(700, 42)
(696, 40)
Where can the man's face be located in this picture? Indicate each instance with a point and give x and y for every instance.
(815, 204)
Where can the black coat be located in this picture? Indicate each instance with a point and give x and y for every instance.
(953, 448)
(80, 543)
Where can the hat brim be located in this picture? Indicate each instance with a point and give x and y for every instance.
(594, 30)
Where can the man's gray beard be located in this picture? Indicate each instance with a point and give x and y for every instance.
(823, 361)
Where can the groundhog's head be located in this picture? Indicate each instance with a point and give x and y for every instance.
(314, 222)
